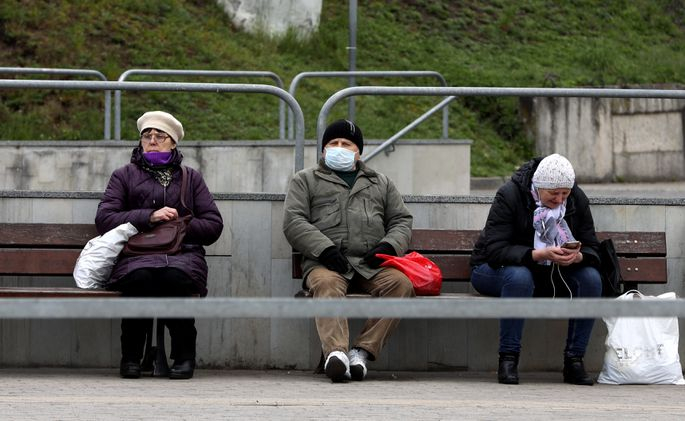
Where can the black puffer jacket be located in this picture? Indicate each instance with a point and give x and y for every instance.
(507, 239)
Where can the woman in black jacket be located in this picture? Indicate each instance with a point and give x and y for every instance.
(539, 240)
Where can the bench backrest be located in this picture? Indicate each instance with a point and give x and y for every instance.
(42, 249)
(52, 249)
(642, 255)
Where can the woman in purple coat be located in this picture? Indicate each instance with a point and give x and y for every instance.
(146, 192)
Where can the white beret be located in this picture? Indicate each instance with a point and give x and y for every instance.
(163, 121)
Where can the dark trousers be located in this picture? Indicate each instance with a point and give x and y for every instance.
(522, 282)
(157, 282)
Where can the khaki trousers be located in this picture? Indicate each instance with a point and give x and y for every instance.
(334, 332)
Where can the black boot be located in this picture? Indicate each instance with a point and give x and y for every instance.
(129, 369)
(574, 372)
(182, 369)
(508, 368)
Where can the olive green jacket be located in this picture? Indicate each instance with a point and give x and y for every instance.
(322, 211)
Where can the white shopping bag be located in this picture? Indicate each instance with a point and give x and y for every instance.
(95, 263)
(642, 350)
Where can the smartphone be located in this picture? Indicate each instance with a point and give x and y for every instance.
(572, 245)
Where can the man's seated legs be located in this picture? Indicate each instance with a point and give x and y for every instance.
(388, 283)
(333, 331)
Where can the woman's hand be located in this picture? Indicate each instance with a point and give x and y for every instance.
(164, 214)
(561, 256)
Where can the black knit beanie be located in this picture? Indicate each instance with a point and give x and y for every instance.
(344, 129)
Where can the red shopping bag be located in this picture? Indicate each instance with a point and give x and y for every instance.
(425, 275)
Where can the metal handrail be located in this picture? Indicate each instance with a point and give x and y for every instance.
(287, 307)
(484, 91)
(212, 73)
(394, 138)
(75, 72)
(375, 73)
(179, 87)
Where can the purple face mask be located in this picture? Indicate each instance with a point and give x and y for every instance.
(157, 158)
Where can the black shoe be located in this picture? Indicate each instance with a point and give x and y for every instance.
(574, 372)
(182, 369)
(508, 373)
(129, 369)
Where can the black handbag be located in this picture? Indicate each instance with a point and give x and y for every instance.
(610, 270)
(164, 238)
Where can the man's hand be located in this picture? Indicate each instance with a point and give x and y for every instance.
(333, 260)
(382, 248)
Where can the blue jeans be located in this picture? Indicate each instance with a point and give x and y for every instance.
(520, 282)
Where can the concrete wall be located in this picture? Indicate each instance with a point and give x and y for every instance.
(252, 258)
(416, 167)
(274, 17)
(612, 139)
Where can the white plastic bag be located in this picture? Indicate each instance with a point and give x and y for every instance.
(95, 263)
(642, 350)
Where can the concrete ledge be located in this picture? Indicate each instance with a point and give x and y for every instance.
(416, 166)
(278, 197)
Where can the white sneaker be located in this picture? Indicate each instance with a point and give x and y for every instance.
(337, 366)
(358, 358)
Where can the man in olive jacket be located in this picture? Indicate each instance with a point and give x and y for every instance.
(339, 215)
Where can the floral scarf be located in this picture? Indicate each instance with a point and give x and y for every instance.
(159, 165)
(550, 227)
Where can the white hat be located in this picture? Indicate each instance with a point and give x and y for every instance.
(161, 121)
(554, 172)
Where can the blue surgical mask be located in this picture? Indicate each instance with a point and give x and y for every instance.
(340, 159)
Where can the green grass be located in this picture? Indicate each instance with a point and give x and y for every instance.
(471, 42)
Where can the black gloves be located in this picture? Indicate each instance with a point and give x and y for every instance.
(382, 248)
(336, 261)
(333, 260)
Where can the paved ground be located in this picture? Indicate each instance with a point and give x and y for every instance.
(99, 394)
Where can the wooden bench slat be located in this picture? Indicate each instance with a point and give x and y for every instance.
(462, 241)
(443, 241)
(55, 292)
(637, 242)
(38, 261)
(643, 270)
(642, 254)
(46, 235)
(454, 267)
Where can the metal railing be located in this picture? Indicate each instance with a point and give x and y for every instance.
(376, 73)
(483, 91)
(392, 139)
(208, 73)
(73, 72)
(178, 87)
(282, 307)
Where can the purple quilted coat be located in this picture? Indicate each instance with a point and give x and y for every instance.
(133, 194)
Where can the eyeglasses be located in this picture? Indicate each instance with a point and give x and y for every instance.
(158, 137)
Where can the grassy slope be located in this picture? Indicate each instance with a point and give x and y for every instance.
(471, 42)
